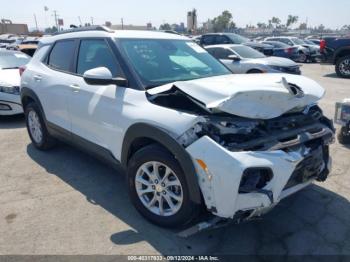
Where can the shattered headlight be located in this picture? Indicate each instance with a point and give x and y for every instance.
(9, 89)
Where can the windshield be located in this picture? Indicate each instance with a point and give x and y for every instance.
(12, 59)
(247, 52)
(298, 41)
(237, 39)
(160, 61)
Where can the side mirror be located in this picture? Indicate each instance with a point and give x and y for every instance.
(234, 58)
(102, 76)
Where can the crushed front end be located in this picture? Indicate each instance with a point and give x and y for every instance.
(246, 166)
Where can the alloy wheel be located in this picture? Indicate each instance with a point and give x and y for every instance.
(35, 128)
(159, 189)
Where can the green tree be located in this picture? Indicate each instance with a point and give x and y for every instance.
(303, 26)
(51, 30)
(223, 22)
(165, 26)
(261, 25)
(276, 21)
(292, 19)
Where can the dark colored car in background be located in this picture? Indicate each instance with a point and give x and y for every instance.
(336, 51)
(283, 50)
(230, 38)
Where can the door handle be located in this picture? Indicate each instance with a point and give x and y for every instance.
(75, 88)
(38, 78)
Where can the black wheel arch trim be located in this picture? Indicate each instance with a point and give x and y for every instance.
(29, 93)
(338, 51)
(143, 130)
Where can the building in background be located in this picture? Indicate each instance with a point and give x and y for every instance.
(7, 27)
(192, 21)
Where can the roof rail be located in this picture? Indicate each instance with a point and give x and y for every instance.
(85, 28)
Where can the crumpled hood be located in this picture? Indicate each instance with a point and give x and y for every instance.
(256, 96)
(10, 77)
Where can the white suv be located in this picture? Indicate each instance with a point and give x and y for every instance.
(189, 133)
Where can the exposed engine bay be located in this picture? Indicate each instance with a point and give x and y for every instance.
(243, 134)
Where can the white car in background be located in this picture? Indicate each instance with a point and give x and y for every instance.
(241, 59)
(10, 62)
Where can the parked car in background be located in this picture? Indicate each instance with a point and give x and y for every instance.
(27, 46)
(306, 52)
(283, 50)
(4, 43)
(312, 43)
(10, 62)
(241, 59)
(337, 51)
(189, 133)
(315, 41)
(230, 38)
(342, 118)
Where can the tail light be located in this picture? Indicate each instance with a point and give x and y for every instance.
(21, 70)
(322, 45)
(289, 50)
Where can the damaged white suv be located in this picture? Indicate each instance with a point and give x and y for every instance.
(189, 133)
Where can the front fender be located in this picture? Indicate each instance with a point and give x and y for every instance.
(142, 130)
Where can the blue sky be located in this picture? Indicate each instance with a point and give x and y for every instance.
(332, 14)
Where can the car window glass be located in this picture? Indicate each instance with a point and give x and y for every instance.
(158, 61)
(221, 39)
(209, 40)
(96, 53)
(222, 53)
(13, 59)
(61, 55)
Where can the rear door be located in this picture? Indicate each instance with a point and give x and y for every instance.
(52, 83)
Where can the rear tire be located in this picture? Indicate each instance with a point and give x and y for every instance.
(342, 67)
(154, 205)
(36, 127)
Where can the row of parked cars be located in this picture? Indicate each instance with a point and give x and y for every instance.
(329, 50)
(25, 44)
(190, 134)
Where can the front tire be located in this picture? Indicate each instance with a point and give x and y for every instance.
(158, 188)
(303, 57)
(37, 131)
(342, 67)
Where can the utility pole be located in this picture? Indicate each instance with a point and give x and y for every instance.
(92, 21)
(122, 24)
(80, 21)
(36, 23)
(56, 19)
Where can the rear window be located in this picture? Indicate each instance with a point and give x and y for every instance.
(61, 55)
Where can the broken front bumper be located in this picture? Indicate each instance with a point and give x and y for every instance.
(220, 174)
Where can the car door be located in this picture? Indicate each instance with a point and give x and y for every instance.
(94, 109)
(223, 54)
(52, 83)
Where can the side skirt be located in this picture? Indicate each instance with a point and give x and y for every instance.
(92, 149)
